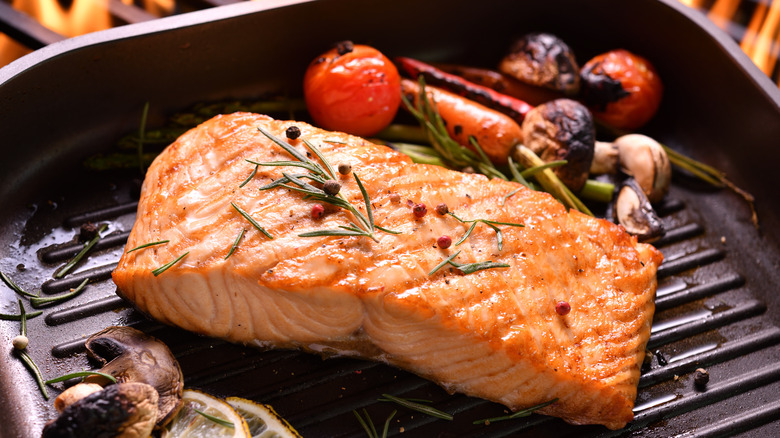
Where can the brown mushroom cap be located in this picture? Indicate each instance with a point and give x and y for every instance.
(122, 410)
(634, 212)
(562, 130)
(132, 356)
(544, 60)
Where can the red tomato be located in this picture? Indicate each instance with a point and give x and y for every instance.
(621, 89)
(354, 89)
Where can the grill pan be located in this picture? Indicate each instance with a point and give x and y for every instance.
(717, 301)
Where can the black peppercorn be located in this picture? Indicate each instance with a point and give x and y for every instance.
(345, 168)
(701, 378)
(442, 209)
(331, 187)
(293, 132)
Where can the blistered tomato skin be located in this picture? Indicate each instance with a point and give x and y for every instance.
(622, 89)
(356, 91)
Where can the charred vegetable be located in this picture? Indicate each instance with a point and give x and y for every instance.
(132, 356)
(633, 211)
(622, 89)
(502, 83)
(544, 60)
(123, 410)
(640, 157)
(562, 130)
(352, 88)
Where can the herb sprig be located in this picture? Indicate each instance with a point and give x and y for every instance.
(87, 246)
(416, 406)
(10, 283)
(220, 421)
(368, 424)
(42, 301)
(27, 360)
(76, 374)
(363, 225)
(147, 245)
(518, 414)
(467, 268)
(490, 223)
(168, 265)
(235, 244)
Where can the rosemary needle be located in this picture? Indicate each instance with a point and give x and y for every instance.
(468, 268)
(235, 244)
(518, 414)
(87, 246)
(80, 374)
(443, 263)
(146, 245)
(251, 220)
(42, 301)
(10, 317)
(251, 175)
(419, 407)
(22, 319)
(168, 265)
(220, 421)
(36, 372)
(10, 283)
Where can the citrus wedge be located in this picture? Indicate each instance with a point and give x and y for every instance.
(204, 415)
(263, 421)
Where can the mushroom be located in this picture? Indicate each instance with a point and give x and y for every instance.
(638, 156)
(74, 394)
(562, 130)
(544, 60)
(132, 356)
(122, 410)
(633, 211)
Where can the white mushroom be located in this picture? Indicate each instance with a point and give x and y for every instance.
(74, 394)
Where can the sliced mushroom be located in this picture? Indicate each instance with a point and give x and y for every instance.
(74, 394)
(605, 159)
(645, 159)
(633, 211)
(122, 410)
(544, 60)
(132, 356)
(562, 130)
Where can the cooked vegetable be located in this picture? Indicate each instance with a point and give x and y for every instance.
(495, 132)
(645, 159)
(633, 211)
(132, 356)
(74, 394)
(352, 88)
(513, 107)
(502, 83)
(562, 130)
(544, 60)
(622, 89)
(123, 410)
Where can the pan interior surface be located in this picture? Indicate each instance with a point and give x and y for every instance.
(717, 301)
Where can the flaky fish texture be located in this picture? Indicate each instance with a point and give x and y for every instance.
(493, 333)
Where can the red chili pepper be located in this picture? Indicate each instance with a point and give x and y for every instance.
(512, 107)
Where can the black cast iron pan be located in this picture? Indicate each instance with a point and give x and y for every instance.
(717, 303)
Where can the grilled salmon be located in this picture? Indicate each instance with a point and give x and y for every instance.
(492, 323)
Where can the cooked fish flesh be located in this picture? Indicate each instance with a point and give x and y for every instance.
(493, 333)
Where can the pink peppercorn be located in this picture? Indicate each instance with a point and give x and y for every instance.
(444, 242)
(562, 308)
(317, 210)
(419, 210)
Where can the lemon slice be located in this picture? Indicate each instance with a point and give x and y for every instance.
(191, 424)
(263, 421)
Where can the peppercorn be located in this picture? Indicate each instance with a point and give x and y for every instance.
(562, 308)
(345, 168)
(20, 342)
(701, 378)
(419, 210)
(331, 187)
(444, 242)
(87, 232)
(442, 209)
(395, 198)
(317, 210)
(293, 132)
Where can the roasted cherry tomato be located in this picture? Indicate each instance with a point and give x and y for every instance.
(622, 89)
(352, 88)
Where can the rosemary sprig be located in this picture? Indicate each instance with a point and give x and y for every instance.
(490, 223)
(146, 245)
(168, 265)
(36, 372)
(518, 414)
(251, 220)
(42, 301)
(368, 424)
(550, 182)
(10, 283)
(220, 421)
(11, 317)
(76, 374)
(467, 268)
(419, 407)
(235, 244)
(87, 246)
(363, 225)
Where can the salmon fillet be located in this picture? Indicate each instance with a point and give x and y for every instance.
(493, 333)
